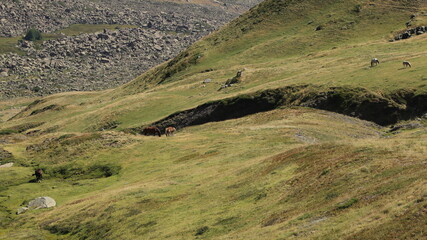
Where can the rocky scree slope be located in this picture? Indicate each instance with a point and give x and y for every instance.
(102, 60)
(48, 16)
(87, 62)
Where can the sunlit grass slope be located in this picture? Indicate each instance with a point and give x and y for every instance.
(291, 173)
(295, 173)
(277, 45)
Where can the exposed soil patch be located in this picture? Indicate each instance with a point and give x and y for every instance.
(47, 108)
(382, 109)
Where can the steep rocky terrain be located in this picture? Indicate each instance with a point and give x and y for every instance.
(74, 63)
(48, 16)
(87, 62)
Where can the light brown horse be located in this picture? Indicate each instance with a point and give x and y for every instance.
(406, 64)
(170, 131)
(152, 131)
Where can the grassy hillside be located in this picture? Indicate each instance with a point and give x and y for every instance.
(289, 173)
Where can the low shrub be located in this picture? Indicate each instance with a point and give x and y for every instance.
(33, 35)
(347, 204)
(201, 230)
(79, 171)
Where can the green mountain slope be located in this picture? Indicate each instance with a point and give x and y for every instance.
(287, 171)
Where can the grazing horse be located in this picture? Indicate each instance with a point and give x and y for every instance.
(39, 175)
(170, 131)
(375, 62)
(151, 131)
(406, 64)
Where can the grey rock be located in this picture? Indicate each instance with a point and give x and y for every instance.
(318, 28)
(22, 210)
(104, 60)
(42, 202)
(7, 165)
(410, 32)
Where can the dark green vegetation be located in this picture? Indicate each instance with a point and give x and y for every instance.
(20, 128)
(33, 35)
(266, 158)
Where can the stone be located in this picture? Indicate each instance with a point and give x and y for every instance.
(5, 155)
(42, 202)
(406, 35)
(105, 60)
(7, 165)
(410, 32)
(22, 210)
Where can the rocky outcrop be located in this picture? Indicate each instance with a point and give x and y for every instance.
(410, 32)
(234, 80)
(42, 202)
(5, 156)
(38, 203)
(7, 165)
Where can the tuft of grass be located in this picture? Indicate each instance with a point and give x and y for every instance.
(8, 131)
(201, 231)
(347, 203)
(80, 171)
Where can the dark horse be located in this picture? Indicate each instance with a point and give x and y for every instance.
(151, 131)
(39, 175)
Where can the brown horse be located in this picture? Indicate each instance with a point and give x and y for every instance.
(170, 131)
(152, 131)
(39, 175)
